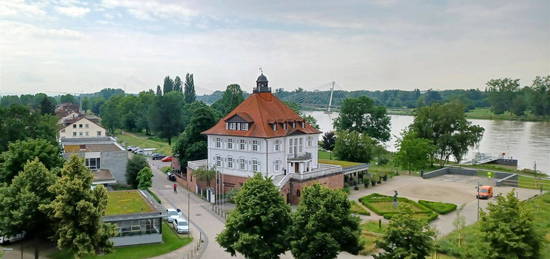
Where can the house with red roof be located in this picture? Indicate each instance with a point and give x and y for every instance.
(263, 135)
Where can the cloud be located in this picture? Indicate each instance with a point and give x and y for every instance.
(16, 31)
(152, 9)
(16, 8)
(73, 11)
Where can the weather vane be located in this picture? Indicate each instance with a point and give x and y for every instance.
(261, 70)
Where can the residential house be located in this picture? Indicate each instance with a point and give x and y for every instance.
(81, 127)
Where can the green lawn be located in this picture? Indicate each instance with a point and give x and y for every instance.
(533, 183)
(142, 141)
(358, 208)
(471, 241)
(126, 202)
(383, 206)
(372, 226)
(172, 241)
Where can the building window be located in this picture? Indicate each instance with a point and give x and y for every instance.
(86, 125)
(80, 133)
(274, 126)
(242, 145)
(290, 145)
(230, 143)
(241, 164)
(232, 126)
(74, 126)
(309, 141)
(93, 163)
(218, 161)
(303, 124)
(230, 162)
(300, 147)
(277, 165)
(218, 142)
(99, 133)
(244, 126)
(255, 165)
(298, 193)
(277, 145)
(74, 134)
(80, 125)
(254, 145)
(293, 124)
(86, 133)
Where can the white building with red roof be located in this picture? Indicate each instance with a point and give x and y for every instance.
(263, 135)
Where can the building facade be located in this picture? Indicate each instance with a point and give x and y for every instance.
(263, 135)
(81, 127)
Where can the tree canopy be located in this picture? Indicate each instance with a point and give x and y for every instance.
(36, 125)
(322, 225)
(363, 115)
(189, 89)
(135, 165)
(232, 97)
(22, 151)
(205, 174)
(167, 115)
(145, 178)
(445, 125)
(414, 153)
(259, 225)
(406, 237)
(508, 228)
(168, 85)
(354, 146)
(329, 141)
(77, 211)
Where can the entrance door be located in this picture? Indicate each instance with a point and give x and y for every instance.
(296, 167)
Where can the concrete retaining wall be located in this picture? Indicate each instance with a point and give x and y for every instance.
(502, 178)
(435, 173)
(461, 171)
(504, 161)
(510, 180)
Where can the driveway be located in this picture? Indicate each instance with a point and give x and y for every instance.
(455, 189)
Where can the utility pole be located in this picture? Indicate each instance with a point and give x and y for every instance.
(477, 196)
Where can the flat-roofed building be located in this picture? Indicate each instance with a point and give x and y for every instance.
(103, 155)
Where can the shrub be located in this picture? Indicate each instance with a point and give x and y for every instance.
(346, 189)
(231, 194)
(439, 207)
(383, 205)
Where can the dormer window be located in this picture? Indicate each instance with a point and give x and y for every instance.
(244, 126)
(293, 124)
(274, 126)
(284, 126)
(233, 126)
(303, 124)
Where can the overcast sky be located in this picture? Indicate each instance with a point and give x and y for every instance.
(77, 46)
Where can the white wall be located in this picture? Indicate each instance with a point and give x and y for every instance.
(83, 128)
(266, 163)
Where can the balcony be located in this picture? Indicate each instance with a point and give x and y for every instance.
(299, 157)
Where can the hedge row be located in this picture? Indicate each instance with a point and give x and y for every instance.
(371, 200)
(439, 207)
(358, 209)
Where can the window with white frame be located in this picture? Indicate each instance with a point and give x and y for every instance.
(218, 142)
(277, 165)
(232, 126)
(277, 145)
(254, 145)
(303, 124)
(274, 126)
(87, 126)
(290, 145)
(218, 161)
(241, 164)
(293, 124)
(255, 165)
(230, 143)
(301, 146)
(242, 144)
(230, 162)
(74, 126)
(309, 141)
(74, 134)
(93, 163)
(244, 126)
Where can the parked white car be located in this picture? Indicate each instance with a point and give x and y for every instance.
(173, 214)
(11, 239)
(181, 225)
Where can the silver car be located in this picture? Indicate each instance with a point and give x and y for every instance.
(181, 225)
(173, 214)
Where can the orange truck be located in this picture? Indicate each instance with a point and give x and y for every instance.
(485, 192)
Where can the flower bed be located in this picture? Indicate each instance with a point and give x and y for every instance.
(439, 207)
(383, 206)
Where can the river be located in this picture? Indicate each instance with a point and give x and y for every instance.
(529, 142)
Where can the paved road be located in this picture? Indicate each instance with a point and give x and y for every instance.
(202, 220)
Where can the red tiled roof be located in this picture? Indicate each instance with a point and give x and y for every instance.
(263, 109)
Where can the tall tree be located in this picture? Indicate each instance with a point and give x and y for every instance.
(323, 225)
(509, 230)
(406, 237)
(135, 165)
(445, 125)
(205, 174)
(111, 113)
(501, 93)
(86, 104)
(167, 115)
(362, 115)
(540, 96)
(232, 97)
(21, 199)
(259, 225)
(168, 85)
(354, 146)
(77, 211)
(189, 91)
(414, 152)
(145, 178)
(329, 141)
(146, 101)
(191, 144)
(68, 98)
(159, 91)
(22, 151)
(47, 106)
(178, 84)
(18, 117)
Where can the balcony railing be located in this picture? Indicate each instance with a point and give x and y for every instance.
(299, 157)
